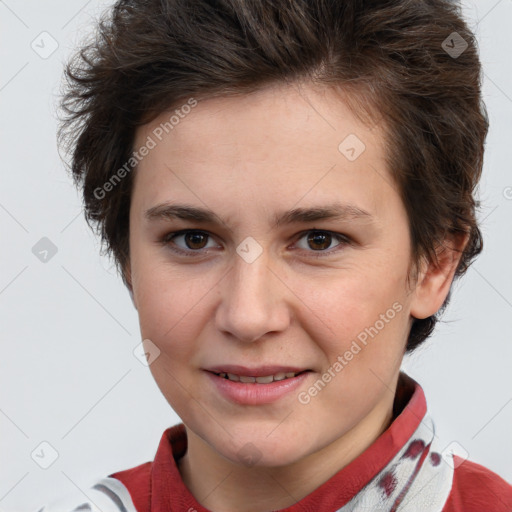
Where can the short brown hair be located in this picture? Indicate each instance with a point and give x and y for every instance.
(147, 56)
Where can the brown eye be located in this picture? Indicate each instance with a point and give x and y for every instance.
(319, 240)
(195, 240)
(189, 242)
(322, 243)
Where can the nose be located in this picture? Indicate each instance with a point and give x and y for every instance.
(253, 300)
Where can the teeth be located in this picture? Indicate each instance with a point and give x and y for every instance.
(260, 380)
(264, 380)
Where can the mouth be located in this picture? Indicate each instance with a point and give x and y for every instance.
(263, 379)
(256, 375)
(256, 386)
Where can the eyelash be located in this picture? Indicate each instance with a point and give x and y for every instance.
(168, 238)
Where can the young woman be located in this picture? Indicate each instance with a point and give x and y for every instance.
(287, 189)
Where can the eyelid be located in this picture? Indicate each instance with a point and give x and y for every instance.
(344, 240)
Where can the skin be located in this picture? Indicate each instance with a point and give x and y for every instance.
(247, 159)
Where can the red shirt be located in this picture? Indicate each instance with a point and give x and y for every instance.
(405, 470)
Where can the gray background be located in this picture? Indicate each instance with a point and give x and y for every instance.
(68, 328)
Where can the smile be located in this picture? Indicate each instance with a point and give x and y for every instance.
(258, 380)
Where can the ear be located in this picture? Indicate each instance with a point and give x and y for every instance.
(435, 277)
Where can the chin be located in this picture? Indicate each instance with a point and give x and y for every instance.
(260, 451)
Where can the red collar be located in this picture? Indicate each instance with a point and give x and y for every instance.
(169, 493)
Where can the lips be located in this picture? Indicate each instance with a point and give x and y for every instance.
(256, 386)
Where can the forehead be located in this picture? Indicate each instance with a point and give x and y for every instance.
(278, 114)
(281, 143)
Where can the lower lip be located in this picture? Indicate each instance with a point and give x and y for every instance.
(254, 393)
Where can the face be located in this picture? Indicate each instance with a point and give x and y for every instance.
(266, 240)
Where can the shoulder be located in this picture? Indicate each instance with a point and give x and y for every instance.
(104, 495)
(476, 488)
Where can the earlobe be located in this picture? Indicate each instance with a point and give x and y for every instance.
(435, 277)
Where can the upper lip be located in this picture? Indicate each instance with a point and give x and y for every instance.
(260, 371)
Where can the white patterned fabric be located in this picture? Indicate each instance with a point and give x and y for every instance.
(106, 495)
(418, 478)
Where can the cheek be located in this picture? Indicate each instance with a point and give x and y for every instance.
(355, 301)
(363, 346)
(363, 329)
(169, 305)
(170, 310)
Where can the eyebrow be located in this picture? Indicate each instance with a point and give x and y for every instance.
(335, 211)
